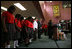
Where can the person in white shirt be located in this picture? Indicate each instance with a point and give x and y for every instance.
(35, 28)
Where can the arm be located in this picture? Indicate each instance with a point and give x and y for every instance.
(3, 23)
(17, 27)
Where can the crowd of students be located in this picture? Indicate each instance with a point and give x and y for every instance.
(16, 29)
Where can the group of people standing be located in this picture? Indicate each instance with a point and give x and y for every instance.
(16, 29)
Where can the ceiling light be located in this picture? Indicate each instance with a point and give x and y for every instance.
(3, 8)
(41, 1)
(50, 1)
(19, 6)
(47, 1)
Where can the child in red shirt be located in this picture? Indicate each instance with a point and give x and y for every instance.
(8, 26)
(18, 29)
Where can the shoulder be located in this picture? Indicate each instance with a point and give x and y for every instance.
(4, 12)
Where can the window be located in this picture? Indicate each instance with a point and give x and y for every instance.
(66, 4)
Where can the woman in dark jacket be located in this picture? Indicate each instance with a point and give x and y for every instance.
(50, 29)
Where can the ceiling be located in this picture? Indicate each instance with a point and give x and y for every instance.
(29, 5)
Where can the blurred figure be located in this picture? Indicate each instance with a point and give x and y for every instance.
(59, 25)
(18, 30)
(44, 27)
(39, 29)
(21, 33)
(8, 26)
(35, 28)
(50, 31)
(27, 30)
(30, 28)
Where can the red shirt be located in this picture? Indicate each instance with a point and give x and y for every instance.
(44, 26)
(28, 23)
(22, 23)
(18, 22)
(9, 17)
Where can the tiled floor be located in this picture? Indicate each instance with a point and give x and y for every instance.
(48, 43)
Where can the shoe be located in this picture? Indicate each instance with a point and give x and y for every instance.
(17, 45)
(30, 40)
(14, 46)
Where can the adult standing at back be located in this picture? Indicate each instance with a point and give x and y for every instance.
(50, 29)
(39, 29)
(35, 27)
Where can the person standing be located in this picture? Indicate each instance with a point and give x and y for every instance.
(21, 33)
(45, 29)
(35, 28)
(25, 32)
(18, 29)
(28, 26)
(39, 29)
(50, 31)
(31, 30)
(8, 26)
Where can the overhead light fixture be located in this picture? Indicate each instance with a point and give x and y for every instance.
(20, 6)
(3, 8)
(41, 1)
(50, 1)
(47, 1)
(33, 17)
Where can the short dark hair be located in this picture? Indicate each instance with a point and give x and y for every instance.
(21, 18)
(17, 16)
(50, 20)
(11, 9)
(29, 17)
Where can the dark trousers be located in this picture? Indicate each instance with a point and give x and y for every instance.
(35, 36)
(21, 37)
(45, 32)
(26, 35)
(39, 33)
(31, 33)
(50, 33)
